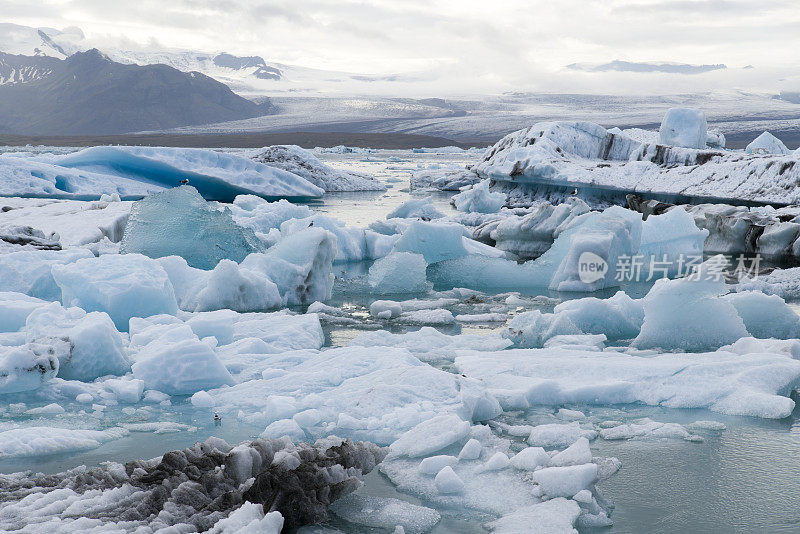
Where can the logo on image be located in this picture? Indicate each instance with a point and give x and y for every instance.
(591, 267)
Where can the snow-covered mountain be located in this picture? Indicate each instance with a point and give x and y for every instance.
(224, 67)
(87, 94)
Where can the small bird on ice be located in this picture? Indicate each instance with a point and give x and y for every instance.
(185, 181)
(217, 419)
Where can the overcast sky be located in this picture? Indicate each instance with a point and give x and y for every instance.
(465, 45)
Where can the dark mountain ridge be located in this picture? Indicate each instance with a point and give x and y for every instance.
(89, 94)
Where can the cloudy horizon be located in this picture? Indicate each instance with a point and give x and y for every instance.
(615, 47)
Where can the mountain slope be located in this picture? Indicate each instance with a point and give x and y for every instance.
(88, 94)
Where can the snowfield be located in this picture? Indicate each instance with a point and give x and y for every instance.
(223, 350)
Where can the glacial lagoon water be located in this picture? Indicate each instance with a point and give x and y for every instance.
(745, 478)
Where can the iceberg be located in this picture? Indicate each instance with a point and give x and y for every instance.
(416, 208)
(30, 271)
(766, 143)
(448, 178)
(23, 369)
(586, 256)
(782, 282)
(216, 175)
(296, 483)
(554, 160)
(178, 363)
(179, 222)
(684, 127)
(303, 163)
(300, 265)
(399, 272)
(479, 199)
(440, 241)
(687, 314)
(529, 236)
(87, 345)
(123, 286)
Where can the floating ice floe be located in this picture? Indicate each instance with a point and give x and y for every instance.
(124, 286)
(134, 172)
(43, 440)
(552, 160)
(303, 163)
(447, 178)
(422, 208)
(68, 222)
(352, 393)
(479, 199)
(784, 283)
(766, 143)
(755, 383)
(399, 272)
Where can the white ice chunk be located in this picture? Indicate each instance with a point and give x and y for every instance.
(123, 286)
(565, 481)
(87, 344)
(479, 199)
(688, 314)
(305, 164)
(249, 518)
(431, 436)
(38, 441)
(471, 450)
(499, 460)
(399, 272)
(556, 516)
(300, 265)
(557, 435)
(576, 454)
(530, 458)
(386, 309)
(385, 513)
(753, 384)
(178, 363)
(22, 369)
(202, 399)
(683, 127)
(765, 316)
(766, 143)
(447, 481)
(433, 464)
(422, 208)
(29, 271)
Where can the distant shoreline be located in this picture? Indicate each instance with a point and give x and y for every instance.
(397, 141)
(247, 140)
